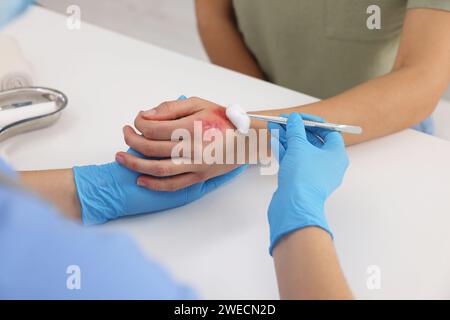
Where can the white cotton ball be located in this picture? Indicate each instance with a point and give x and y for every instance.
(238, 118)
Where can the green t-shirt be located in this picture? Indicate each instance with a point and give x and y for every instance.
(324, 47)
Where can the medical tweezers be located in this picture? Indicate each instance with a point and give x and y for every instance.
(309, 123)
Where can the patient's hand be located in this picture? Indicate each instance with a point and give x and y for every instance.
(157, 126)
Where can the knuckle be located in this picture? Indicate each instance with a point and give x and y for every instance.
(147, 148)
(152, 183)
(133, 165)
(148, 131)
(166, 106)
(194, 100)
(160, 170)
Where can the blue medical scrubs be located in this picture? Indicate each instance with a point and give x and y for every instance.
(45, 256)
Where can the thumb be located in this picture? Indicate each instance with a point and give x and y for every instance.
(295, 129)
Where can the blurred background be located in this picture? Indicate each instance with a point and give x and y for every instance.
(171, 24)
(166, 23)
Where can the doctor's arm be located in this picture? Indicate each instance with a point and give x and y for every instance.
(100, 193)
(57, 187)
(301, 242)
(62, 256)
(307, 267)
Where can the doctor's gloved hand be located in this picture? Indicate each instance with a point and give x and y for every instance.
(110, 191)
(280, 135)
(308, 174)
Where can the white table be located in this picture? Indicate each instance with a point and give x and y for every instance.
(392, 211)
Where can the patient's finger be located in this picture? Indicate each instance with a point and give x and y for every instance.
(157, 168)
(171, 110)
(162, 130)
(149, 148)
(171, 183)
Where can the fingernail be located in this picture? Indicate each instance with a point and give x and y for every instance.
(140, 183)
(120, 159)
(150, 112)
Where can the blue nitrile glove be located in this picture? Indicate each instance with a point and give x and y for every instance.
(109, 191)
(278, 137)
(308, 175)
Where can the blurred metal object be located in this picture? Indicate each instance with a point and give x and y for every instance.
(21, 101)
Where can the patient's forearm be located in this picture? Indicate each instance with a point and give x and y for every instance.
(57, 187)
(403, 97)
(381, 106)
